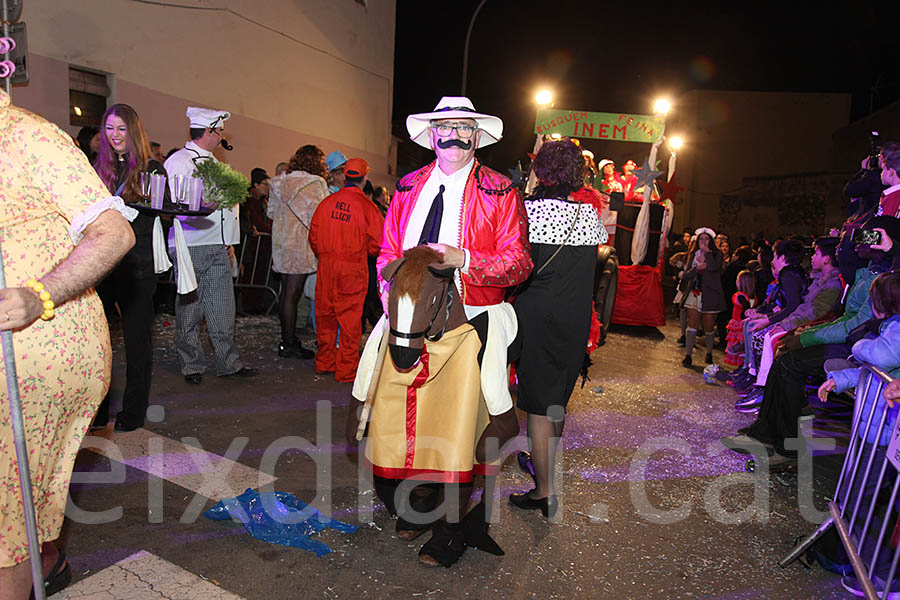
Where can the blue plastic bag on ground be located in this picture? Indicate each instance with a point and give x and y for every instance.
(278, 518)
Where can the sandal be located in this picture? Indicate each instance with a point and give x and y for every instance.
(60, 576)
(445, 547)
(419, 504)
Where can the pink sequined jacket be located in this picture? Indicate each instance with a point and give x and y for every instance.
(493, 228)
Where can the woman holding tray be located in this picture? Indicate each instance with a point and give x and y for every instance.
(125, 154)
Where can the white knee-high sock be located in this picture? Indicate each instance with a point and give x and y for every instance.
(690, 337)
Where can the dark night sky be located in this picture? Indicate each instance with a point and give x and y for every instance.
(618, 57)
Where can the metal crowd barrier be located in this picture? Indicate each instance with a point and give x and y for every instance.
(853, 511)
(254, 251)
(260, 277)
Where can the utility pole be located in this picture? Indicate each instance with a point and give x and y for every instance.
(465, 71)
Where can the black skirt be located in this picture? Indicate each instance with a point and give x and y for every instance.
(554, 311)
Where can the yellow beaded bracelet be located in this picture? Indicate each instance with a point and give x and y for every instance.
(44, 295)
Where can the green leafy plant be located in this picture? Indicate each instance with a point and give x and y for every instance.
(222, 184)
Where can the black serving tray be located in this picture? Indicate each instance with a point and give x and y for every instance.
(170, 208)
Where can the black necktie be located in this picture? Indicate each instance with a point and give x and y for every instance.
(432, 228)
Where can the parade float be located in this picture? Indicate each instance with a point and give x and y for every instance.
(638, 216)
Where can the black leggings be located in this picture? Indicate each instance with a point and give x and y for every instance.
(291, 291)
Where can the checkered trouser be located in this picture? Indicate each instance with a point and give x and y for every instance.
(213, 299)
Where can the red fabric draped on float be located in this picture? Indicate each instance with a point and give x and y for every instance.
(639, 296)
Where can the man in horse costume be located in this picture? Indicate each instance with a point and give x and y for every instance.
(455, 238)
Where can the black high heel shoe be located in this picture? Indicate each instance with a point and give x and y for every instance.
(548, 506)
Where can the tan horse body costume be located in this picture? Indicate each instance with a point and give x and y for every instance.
(429, 420)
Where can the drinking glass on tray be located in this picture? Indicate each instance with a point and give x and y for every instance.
(145, 185)
(179, 188)
(157, 189)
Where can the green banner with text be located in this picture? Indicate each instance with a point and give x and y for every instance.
(599, 126)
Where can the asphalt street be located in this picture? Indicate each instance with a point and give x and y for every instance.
(652, 505)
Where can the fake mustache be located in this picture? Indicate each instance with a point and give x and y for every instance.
(444, 144)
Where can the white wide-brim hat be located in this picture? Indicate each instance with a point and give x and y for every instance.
(603, 163)
(454, 107)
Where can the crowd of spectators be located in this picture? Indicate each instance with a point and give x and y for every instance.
(802, 311)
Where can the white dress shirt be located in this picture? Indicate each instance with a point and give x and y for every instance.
(454, 188)
(220, 227)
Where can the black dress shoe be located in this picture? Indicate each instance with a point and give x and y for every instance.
(194, 378)
(244, 372)
(524, 501)
(126, 427)
(687, 361)
(709, 359)
(680, 342)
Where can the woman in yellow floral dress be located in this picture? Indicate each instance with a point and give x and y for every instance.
(59, 227)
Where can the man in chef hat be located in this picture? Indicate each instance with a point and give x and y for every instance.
(209, 241)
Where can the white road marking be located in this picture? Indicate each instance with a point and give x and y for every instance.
(202, 472)
(144, 576)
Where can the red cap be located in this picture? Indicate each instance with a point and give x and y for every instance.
(356, 167)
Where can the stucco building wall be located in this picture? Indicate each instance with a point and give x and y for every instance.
(291, 72)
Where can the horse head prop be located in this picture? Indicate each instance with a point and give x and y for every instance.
(423, 303)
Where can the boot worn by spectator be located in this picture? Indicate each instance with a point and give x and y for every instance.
(294, 349)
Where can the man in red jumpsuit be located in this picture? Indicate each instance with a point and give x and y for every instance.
(345, 229)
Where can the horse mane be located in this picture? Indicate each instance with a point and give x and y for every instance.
(410, 277)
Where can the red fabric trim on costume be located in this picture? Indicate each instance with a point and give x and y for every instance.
(437, 476)
(411, 409)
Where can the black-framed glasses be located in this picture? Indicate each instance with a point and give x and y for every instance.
(463, 130)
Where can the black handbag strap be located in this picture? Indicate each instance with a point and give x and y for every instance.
(568, 235)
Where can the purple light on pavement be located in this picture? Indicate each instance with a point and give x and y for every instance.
(174, 464)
